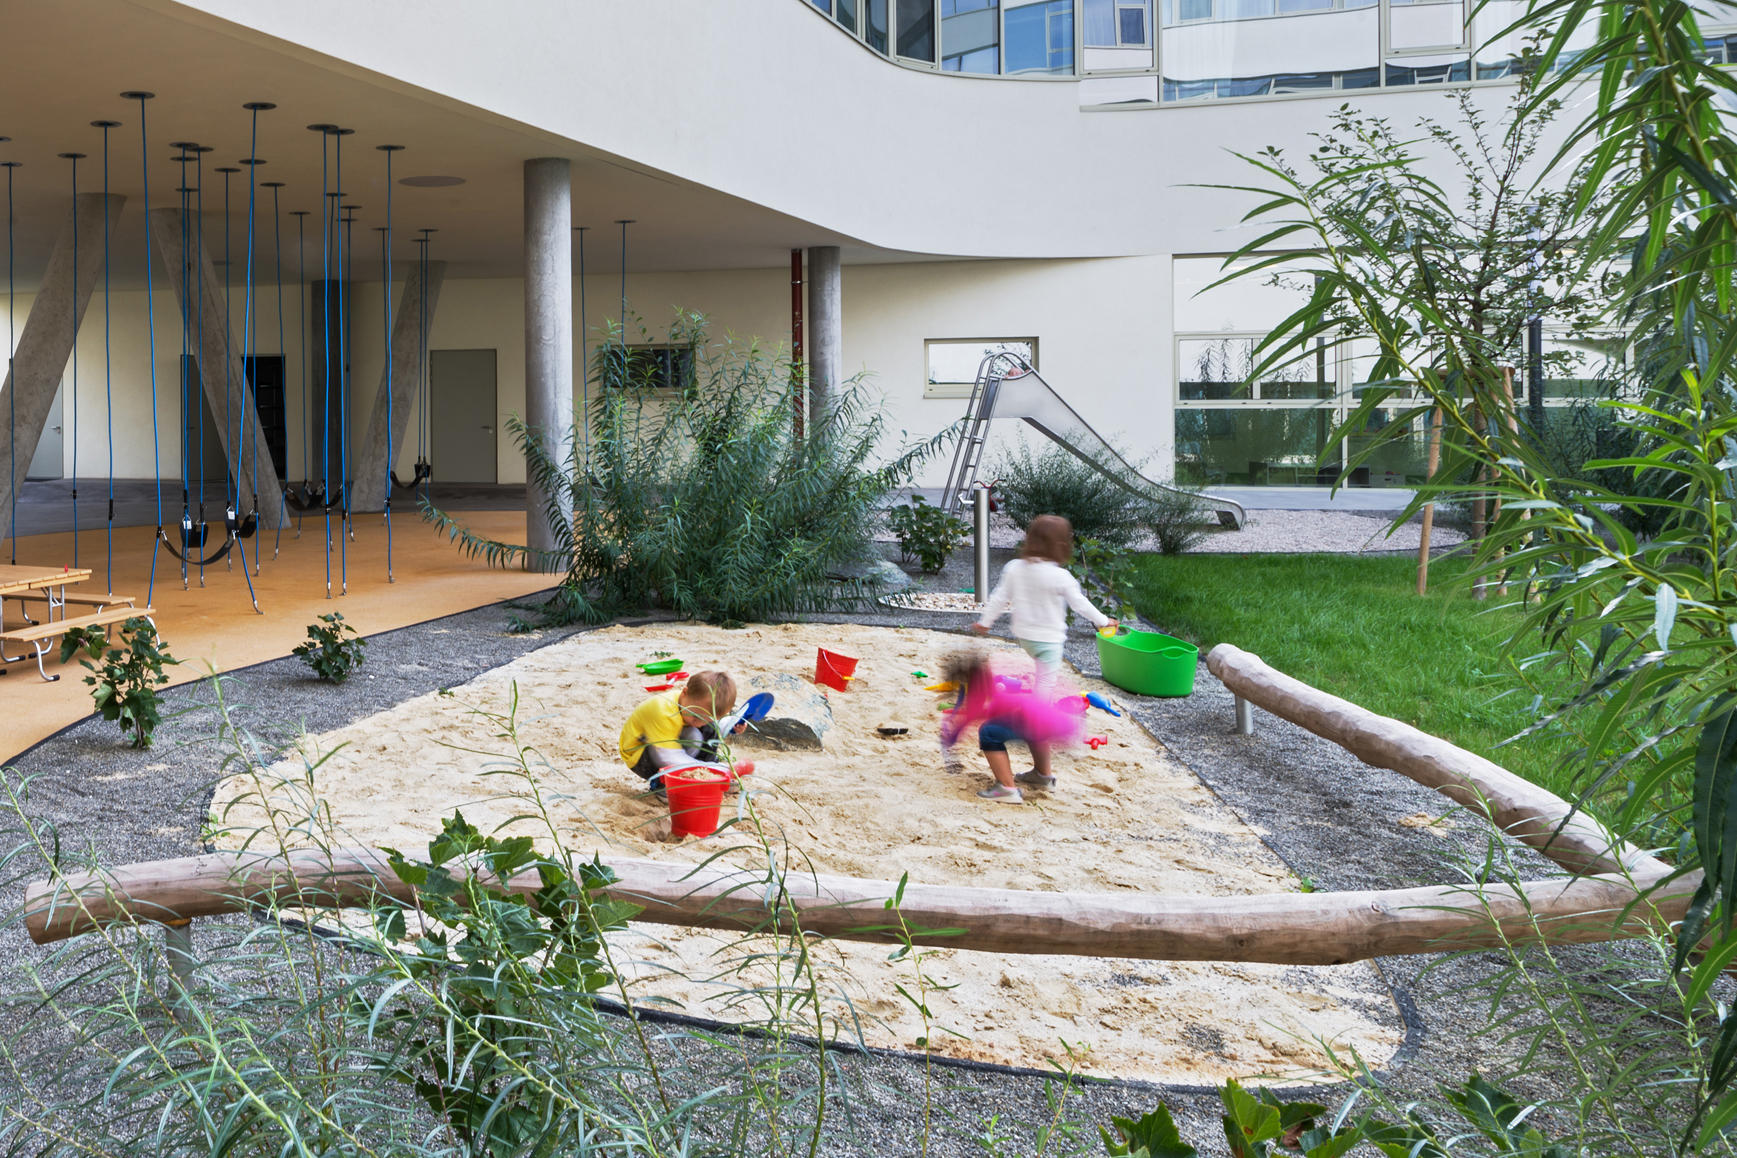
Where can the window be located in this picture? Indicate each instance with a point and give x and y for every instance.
(650, 367)
(846, 15)
(917, 29)
(874, 31)
(953, 363)
(1040, 37)
(969, 36)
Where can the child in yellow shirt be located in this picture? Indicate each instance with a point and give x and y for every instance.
(678, 729)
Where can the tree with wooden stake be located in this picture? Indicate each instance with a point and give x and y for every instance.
(1631, 644)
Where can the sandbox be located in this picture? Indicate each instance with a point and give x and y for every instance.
(1123, 817)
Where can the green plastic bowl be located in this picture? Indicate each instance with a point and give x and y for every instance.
(1148, 663)
(661, 667)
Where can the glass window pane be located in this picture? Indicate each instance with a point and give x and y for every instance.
(1132, 22)
(1100, 23)
(846, 15)
(953, 362)
(1308, 45)
(1396, 463)
(1214, 367)
(1250, 446)
(824, 5)
(875, 24)
(917, 29)
(1040, 37)
(969, 35)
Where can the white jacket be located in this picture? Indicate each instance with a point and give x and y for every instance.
(1039, 593)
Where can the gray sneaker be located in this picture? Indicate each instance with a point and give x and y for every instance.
(1035, 779)
(1002, 795)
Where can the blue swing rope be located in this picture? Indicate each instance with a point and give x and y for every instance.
(72, 315)
(386, 297)
(186, 192)
(584, 360)
(11, 376)
(197, 270)
(425, 421)
(231, 469)
(150, 330)
(301, 216)
(346, 272)
(328, 202)
(283, 354)
(108, 367)
(250, 325)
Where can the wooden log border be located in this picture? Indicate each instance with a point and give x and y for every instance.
(1626, 894)
(1518, 807)
(1281, 928)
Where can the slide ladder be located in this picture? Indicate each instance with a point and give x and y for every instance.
(1008, 386)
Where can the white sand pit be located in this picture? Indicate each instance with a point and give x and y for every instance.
(1122, 818)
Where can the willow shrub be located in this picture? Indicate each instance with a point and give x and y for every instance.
(693, 492)
(1640, 625)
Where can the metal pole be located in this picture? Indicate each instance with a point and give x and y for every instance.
(980, 520)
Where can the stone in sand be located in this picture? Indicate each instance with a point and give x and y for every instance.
(800, 718)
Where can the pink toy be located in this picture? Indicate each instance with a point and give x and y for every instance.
(1096, 742)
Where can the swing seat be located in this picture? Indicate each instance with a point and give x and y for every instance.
(193, 535)
(424, 473)
(240, 528)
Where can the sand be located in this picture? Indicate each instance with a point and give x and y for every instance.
(1123, 817)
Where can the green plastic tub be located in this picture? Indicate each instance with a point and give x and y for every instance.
(1148, 663)
(661, 667)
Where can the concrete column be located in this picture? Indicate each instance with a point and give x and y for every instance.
(398, 396)
(825, 329)
(548, 328)
(46, 341)
(222, 373)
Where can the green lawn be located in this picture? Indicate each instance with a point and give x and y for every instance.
(1354, 626)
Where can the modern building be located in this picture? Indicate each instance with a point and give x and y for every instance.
(916, 180)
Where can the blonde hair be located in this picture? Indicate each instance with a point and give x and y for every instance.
(713, 690)
(1049, 537)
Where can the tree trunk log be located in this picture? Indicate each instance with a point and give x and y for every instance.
(1284, 928)
(1515, 805)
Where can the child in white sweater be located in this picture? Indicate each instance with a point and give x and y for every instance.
(1039, 589)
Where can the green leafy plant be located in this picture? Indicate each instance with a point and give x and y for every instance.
(927, 534)
(493, 956)
(1641, 216)
(124, 679)
(1259, 1124)
(333, 650)
(1176, 520)
(705, 501)
(1111, 569)
(1058, 482)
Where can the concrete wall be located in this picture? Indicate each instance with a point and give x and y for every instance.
(1103, 328)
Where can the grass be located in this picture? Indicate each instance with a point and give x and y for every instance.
(1354, 626)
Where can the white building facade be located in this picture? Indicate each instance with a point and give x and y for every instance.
(1028, 172)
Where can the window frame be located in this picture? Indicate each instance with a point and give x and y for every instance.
(961, 391)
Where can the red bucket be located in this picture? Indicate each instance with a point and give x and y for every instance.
(695, 797)
(833, 670)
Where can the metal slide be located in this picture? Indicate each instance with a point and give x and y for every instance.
(1008, 386)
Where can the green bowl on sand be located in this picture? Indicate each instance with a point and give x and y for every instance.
(661, 667)
(1148, 663)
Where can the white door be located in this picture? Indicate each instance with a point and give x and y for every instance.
(50, 460)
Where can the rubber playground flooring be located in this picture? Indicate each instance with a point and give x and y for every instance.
(214, 627)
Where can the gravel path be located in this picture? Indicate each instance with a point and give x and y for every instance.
(1329, 816)
(1268, 532)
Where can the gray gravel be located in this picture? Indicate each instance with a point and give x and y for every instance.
(1327, 815)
